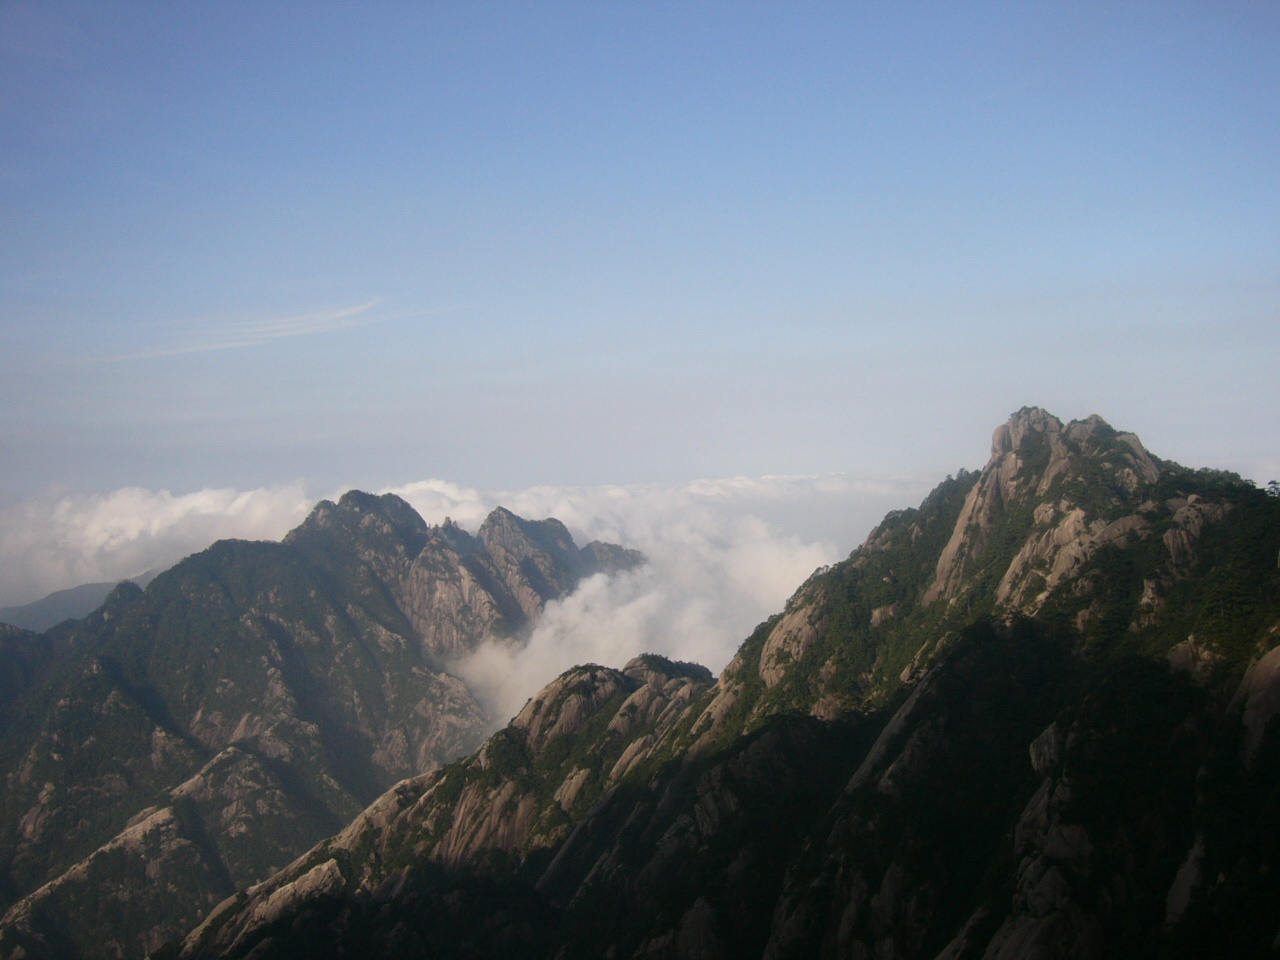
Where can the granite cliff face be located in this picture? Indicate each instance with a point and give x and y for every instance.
(185, 742)
(1032, 718)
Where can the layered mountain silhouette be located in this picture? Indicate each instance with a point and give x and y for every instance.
(184, 742)
(74, 603)
(1031, 718)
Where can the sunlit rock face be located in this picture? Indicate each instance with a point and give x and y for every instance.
(190, 740)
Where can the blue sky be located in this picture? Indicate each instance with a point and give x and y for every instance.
(511, 244)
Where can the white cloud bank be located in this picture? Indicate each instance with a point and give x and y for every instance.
(724, 555)
(50, 543)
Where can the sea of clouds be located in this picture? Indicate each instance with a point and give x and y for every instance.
(723, 555)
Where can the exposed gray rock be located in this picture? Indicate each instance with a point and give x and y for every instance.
(1189, 519)
(1185, 883)
(788, 643)
(490, 805)
(1258, 699)
(1047, 749)
(1194, 659)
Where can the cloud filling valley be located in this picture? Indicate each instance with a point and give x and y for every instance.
(723, 555)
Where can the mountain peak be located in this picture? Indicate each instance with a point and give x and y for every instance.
(1041, 472)
(377, 523)
(356, 506)
(1009, 436)
(388, 506)
(504, 532)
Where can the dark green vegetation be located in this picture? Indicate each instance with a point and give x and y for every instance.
(184, 742)
(1033, 718)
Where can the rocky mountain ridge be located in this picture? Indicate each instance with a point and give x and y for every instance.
(1032, 718)
(186, 741)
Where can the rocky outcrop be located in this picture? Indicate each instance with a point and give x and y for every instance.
(1258, 701)
(1035, 533)
(174, 871)
(1188, 521)
(454, 588)
(1070, 480)
(512, 799)
(788, 642)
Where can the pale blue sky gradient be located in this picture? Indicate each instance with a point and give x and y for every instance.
(523, 243)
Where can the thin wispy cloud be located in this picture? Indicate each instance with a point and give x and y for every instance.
(238, 334)
(260, 331)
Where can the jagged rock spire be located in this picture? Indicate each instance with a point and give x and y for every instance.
(1033, 457)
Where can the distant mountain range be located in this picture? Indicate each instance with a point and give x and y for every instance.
(73, 603)
(184, 742)
(1032, 719)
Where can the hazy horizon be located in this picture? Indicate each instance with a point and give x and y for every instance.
(257, 254)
